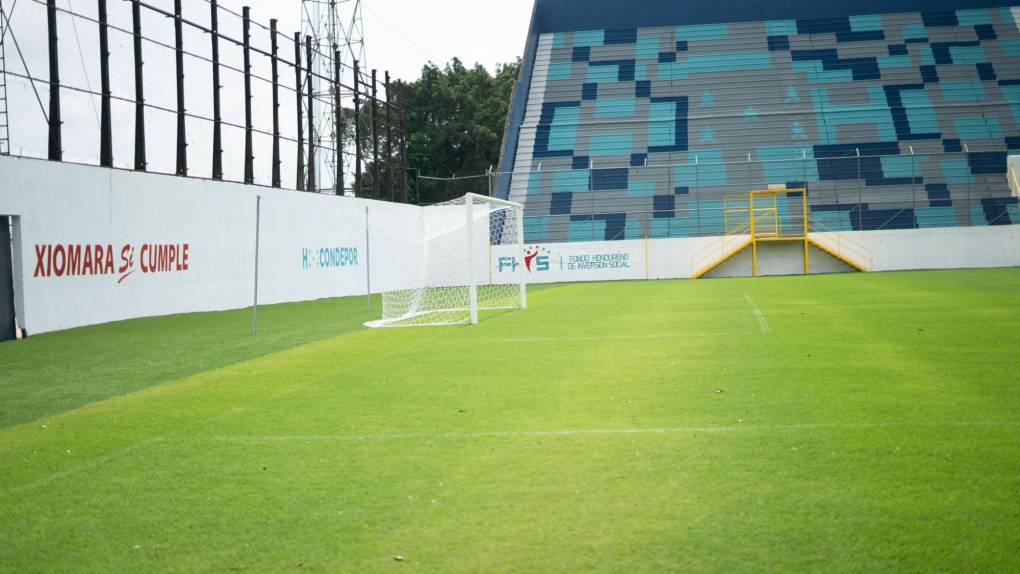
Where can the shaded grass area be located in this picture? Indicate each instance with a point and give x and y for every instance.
(634, 427)
(56, 372)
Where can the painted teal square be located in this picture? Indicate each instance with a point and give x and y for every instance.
(702, 32)
(534, 183)
(915, 31)
(963, 91)
(817, 74)
(559, 40)
(647, 49)
(1011, 94)
(560, 70)
(611, 144)
(891, 62)
(586, 230)
(903, 166)
(787, 163)
(640, 188)
(928, 217)
(714, 63)
(968, 55)
(927, 56)
(570, 181)
(536, 227)
(640, 72)
(589, 38)
(662, 124)
(975, 128)
(603, 74)
(978, 217)
(709, 217)
(975, 17)
(781, 28)
(708, 170)
(866, 23)
(1010, 46)
(632, 229)
(614, 108)
(920, 113)
(956, 171)
(832, 220)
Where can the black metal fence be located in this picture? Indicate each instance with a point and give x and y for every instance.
(227, 117)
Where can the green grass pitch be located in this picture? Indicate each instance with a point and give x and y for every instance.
(850, 423)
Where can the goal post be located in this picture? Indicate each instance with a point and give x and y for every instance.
(463, 257)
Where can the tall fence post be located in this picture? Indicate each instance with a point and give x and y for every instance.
(217, 158)
(275, 63)
(312, 182)
(368, 262)
(389, 142)
(105, 122)
(358, 191)
(338, 123)
(249, 153)
(136, 28)
(300, 183)
(182, 139)
(375, 139)
(403, 144)
(56, 151)
(255, 302)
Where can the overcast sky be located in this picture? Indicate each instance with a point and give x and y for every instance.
(400, 36)
(403, 35)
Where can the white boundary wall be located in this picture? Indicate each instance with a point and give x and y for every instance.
(311, 247)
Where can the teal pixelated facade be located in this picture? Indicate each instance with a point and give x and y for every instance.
(896, 119)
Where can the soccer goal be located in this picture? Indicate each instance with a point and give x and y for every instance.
(465, 256)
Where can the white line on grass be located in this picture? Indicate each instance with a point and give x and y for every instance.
(582, 432)
(580, 338)
(757, 313)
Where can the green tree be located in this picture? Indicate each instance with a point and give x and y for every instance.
(455, 119)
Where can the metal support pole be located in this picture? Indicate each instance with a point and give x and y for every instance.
(358, 191)
(105, 122)
(182, 139)
(274, 60)
(375, 139)
(389, 141)
(312, 182)
(217, 158)
(300, 183)
(136, 24)
(403, 143)
(249, 154)
(368, 262)
(255, 303)
(338, 122)
(56, 151)
(472, 286)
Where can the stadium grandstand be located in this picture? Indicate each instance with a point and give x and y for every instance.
(638, 119)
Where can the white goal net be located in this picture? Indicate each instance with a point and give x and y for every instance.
(465, 256)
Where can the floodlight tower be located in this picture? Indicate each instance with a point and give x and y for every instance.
(335, 26)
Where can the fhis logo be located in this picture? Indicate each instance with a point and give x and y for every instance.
(536, 260)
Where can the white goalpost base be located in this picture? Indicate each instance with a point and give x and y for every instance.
(464, 256)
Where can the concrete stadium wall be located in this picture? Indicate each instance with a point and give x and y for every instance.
(311, 247)
(94, 245)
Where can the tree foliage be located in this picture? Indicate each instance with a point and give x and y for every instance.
(455, 119)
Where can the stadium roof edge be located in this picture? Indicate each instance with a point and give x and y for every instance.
(573, 15)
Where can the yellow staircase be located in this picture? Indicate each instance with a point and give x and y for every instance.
(758, 217)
